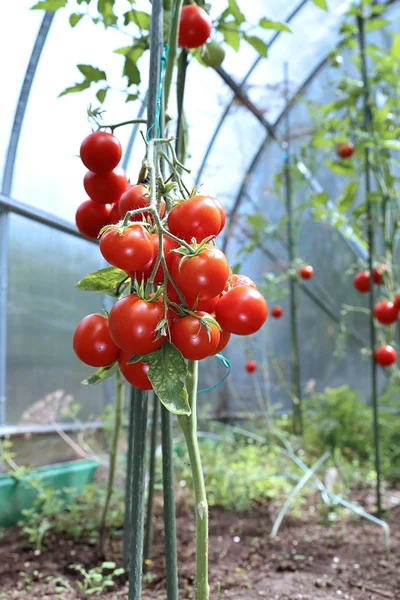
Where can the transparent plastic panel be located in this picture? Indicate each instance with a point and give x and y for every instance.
(43, 309)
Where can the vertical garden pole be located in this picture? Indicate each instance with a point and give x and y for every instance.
(371, 251)
(295, 361)
(128, 484)
(181, 126)
(152, 473)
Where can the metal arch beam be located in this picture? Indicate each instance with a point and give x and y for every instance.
(229, 106)
(23, 101)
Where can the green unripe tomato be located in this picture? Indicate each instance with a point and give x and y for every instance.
(336, 60)
(213, 55)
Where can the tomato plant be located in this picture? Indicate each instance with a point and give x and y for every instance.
(90, 218)
(361, 282)
(205, 274)
(306, 272)
(276, 312)
(100, 152)
(385, 356)
(130, 249)
(195, 26)
(196, 218)
(345, 149)
(92, 342)
(386, 312)
(136, 373)
(251, 366)
(213, 54)
(137, 196)
(105, 188)
(242, 310)
(192, 338)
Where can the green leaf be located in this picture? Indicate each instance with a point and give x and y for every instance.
(139, 18)
(50, 5)
(132, 55)
(321, 4)
(106, 9)
(135, 358)
(318, 200)
(75, 18)
(276, 25)
(92, 73)
(341, 167)
(395, 50)
(131, 97)
(393, 144)
(103, 281)
(167, 368)
(346, 200)
(259, 45)
(374, 24)
(101, 95)
(101, 374)
(78, 87)
(232, 38)
(236, 12)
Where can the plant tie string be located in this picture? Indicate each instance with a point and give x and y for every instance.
(159, 96)
(226, 364)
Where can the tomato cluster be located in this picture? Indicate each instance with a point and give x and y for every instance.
(184, 293)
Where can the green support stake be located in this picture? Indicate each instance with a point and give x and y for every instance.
(150, 490)
(371, 251)
(294, 345)
(128, 483)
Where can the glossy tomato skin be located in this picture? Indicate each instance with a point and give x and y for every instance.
(361, 282)
(385, 356)
(222, 213)
(91, 217)
(378, 273)
(114, 216)
(92, 342)
(224, 339)
(195, 27)
(191, 338)
(131, 250)
(198, 217)
(396, 301)
(168, 245)
(100, 152)
(277, 312)
(137, 196)
(242, 310)
(135, 374)
(203, 276)
(345, 150)
(133, 322)
(251, 366)
(386, 312)
(213, 55)
(105, 188)
(306, 272)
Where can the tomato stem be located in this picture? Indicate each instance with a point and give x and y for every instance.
(115, 125)
(189, 428)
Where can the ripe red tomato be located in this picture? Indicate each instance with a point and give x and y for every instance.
(378, 273)
(251, 366)
(222, 212)
(92, 342)
(397, 301)
(386, 312)
(168, 245)
(205, 305)
(224, 338)
(204, 275)
(198, 217)
(236, 280)
(192, 339)
(345, 150)
(195, 27)
(277, 312)
(361, 282)
(100, 151)
(114, 216)
(105, 188)
(306, 272)
(133, 322)
(137, 196)
(130, 250)
(242, 310)
(135, 374)
(91, 217)
(385, 356)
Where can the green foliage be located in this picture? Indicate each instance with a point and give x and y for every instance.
(347, 199)
(98, 579)
(104, 281)
(91, 75)
(50, 5)
(101, 374)
(277, 25)
(321, 4)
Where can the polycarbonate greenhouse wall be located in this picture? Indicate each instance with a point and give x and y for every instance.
(232, 152)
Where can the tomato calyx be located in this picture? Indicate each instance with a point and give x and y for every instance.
(193, 249)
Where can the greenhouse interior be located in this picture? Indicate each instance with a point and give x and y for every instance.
(199, 300)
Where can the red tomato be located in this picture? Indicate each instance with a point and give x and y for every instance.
(203, 276)
(91, 217)
(198, 217)
(92, 342)
(192, 339)
(130, 250)
(306, 272)
(378, 274)
(205, 305)
(100, 151)
(237, 279)
(386, 312)
(195, 27)
(277, 312)
(168, 245)
(225, 336)
(105, 188)
(397, 301)
(114, 216)
(133, 324)
(345, 150)
(242, 310)
(251, 366)
(137, 196)
(361, 282)
(385, 356)
(135, 374)
(222, 213)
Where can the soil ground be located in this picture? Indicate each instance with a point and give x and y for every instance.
(307, 561)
